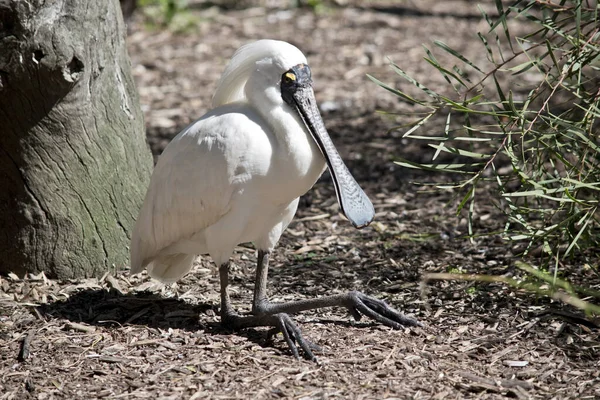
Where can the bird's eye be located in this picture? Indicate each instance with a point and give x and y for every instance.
(289, 77)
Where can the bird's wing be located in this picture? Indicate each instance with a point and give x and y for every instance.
(192, 184)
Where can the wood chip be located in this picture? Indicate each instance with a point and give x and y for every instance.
(114, 284)
(313, 218)
(513, 363)
(308, 249)
(81, 327)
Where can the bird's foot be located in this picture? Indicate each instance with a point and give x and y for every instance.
(279, 322)
(359, 304)
(293, 337)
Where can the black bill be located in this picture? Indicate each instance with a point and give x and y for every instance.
(353, 201)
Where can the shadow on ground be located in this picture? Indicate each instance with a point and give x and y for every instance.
(111, 308)
(103, 307)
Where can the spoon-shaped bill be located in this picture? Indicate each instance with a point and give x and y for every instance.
(353, 201)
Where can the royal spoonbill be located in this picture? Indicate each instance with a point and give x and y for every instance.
(235, 176)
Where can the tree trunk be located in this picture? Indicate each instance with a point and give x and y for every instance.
(74, 163)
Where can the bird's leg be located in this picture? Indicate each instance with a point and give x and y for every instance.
(356, 302)
(280, 321)
(260, 284)
(286, 325)
(277, 315)
(226, 310)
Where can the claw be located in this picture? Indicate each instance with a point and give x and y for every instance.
(355, 314)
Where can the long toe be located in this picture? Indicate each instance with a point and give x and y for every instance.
(280, 322)
(293, 337)
(380, 311)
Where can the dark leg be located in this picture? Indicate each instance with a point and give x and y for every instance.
(277, 314)
(357, 303)
(226, 309)
(280, 321)
(260, 284)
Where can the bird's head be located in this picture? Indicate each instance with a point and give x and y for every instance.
(261, 64)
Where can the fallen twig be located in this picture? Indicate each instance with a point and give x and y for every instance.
(81, 328)
(24, 351)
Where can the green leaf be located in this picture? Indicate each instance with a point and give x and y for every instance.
(456, 54)
(468, 196)
(454, 168)
(398, 92)
(537, 193)
(502, 16)
(403, 74)
(453, 150)
(446, 73)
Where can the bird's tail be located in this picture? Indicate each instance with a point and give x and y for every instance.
(170, 268)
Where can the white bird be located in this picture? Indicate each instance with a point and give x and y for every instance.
(235, 176)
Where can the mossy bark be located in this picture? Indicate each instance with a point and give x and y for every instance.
(74, 163)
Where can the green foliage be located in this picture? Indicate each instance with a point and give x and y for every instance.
(537, 146)
(172, 14)
(455, 270)
(472, 290)
(538, 282)
(317, 6)
(523, 125)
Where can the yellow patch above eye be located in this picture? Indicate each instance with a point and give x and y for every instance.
(291, 76)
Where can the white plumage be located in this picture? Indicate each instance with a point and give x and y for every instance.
(235, 176)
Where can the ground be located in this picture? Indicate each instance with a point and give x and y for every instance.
(126, 336)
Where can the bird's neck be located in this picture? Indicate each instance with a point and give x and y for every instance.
(292, 143)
